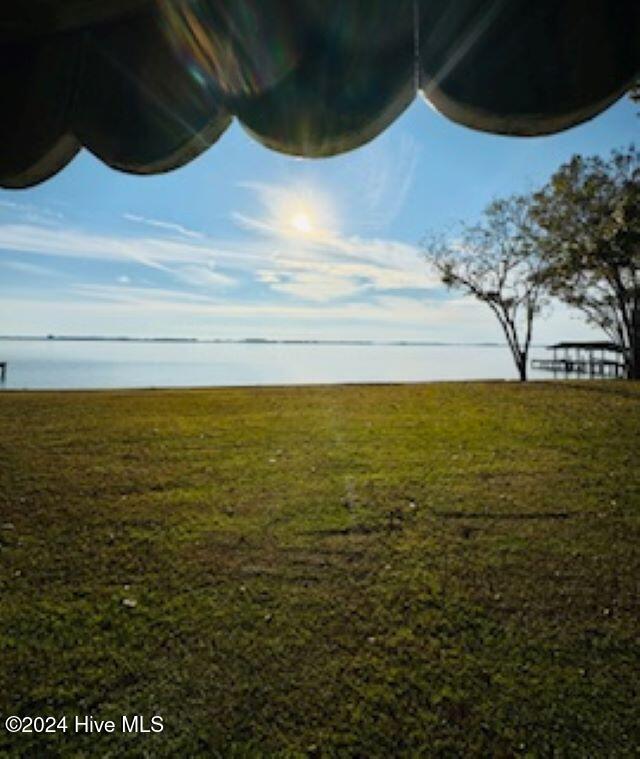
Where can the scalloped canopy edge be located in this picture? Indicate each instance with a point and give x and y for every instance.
(148, 85)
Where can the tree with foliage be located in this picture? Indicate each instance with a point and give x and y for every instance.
(496, 261)
(588, 218)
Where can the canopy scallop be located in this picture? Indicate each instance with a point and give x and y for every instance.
(147, 85)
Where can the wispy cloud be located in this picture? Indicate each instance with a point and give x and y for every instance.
(204, 276)
(379, 309)
(157, 252)
(153, 312)
(189, 263)
(325, 264)
(168, 226)
(386, 178)
(319, 269)
(29, 213)
(24, 267)
(316, 286)
(272, 271)
(140, 296)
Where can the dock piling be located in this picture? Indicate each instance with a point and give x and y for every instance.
(574, 361)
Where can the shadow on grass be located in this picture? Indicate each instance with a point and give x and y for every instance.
(503, 516)
(611, 388)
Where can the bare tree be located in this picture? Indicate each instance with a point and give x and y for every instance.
(497, 262)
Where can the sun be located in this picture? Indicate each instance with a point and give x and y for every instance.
(302, 223)
(300, 214)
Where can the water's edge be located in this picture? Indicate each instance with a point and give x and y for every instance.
(91, 365)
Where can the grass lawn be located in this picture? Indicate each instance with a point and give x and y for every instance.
(422, 570)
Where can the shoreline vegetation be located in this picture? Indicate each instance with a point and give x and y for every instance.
(421, 569)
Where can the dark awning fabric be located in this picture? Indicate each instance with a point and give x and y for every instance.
(147, 85)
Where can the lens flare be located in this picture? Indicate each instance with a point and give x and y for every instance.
(238, 47)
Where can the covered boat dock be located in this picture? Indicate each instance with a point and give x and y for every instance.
(593, 359)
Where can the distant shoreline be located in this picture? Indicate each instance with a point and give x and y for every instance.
(239, 341)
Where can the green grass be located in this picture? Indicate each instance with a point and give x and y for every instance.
(437, 570)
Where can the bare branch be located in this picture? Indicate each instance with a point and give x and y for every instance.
(496, 261)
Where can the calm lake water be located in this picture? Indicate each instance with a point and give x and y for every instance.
(60, 364)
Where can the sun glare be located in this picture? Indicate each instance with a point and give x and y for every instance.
(302, 223)
(300, 214)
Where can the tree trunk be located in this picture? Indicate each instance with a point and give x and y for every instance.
(522, 366)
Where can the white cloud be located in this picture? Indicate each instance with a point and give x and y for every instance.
(165, 225)
(156, 252)
(382, 309)
(320, 275)
(139, 296)
(31, 213)
(268, 277)
(325, 264)
(155, 311)
(203, 276)
(385, 178)
(316, 286)
(32, 269)
(360, 264)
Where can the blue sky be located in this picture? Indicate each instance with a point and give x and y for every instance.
(244, 242)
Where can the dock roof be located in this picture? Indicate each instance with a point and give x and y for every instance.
(604, 345)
